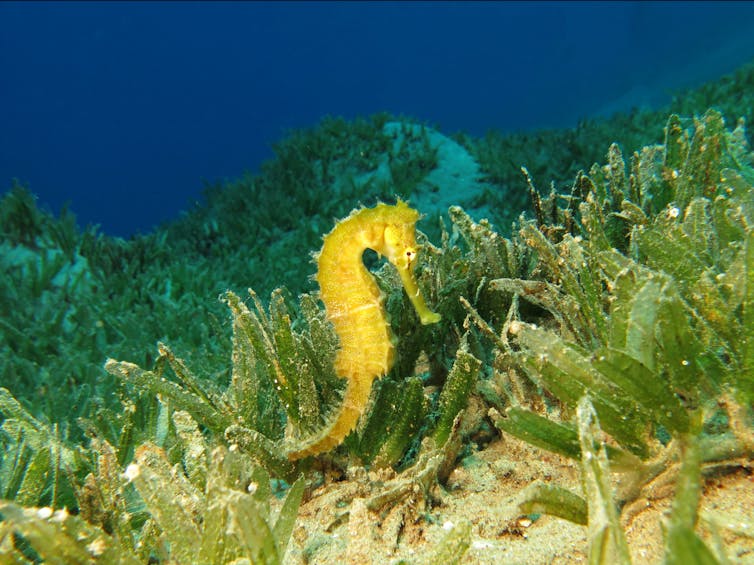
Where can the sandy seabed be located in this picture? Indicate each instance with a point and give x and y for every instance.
(335, 525)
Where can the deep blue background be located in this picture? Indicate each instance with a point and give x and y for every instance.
(124, 109)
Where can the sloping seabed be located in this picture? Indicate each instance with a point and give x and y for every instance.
(587, 395)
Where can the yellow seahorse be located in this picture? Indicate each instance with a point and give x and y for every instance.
(354, 305)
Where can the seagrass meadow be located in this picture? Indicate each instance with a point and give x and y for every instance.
(585, 394)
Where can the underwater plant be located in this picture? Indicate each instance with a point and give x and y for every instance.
(212, 508)
(647, 281)
(278, 370)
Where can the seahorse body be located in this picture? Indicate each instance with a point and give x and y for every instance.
(354, 305)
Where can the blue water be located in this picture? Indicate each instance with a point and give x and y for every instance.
(125, 109)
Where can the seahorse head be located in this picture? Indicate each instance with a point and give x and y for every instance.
(398, 243)
(401, 249)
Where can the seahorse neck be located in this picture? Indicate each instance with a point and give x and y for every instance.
(346, 245)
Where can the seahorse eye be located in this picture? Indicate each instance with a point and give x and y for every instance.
(410, 255)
